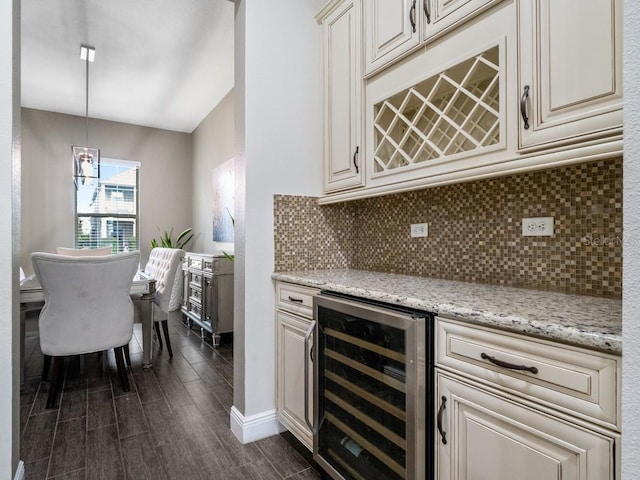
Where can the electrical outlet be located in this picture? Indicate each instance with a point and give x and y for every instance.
(537, 227)
(419, 230)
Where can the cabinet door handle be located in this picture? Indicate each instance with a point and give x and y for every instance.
(295, 300)
(443, 406)
(307, 341)
(355, 159)
(427, 13)
(510, 366)
(523, 106)
(412, 16)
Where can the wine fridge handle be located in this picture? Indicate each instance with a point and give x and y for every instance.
(307, 341)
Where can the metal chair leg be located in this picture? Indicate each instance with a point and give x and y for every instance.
(156, 326)
(122, 372)
(127, 355)
(54, 387)
(45, 367)
(165, 329)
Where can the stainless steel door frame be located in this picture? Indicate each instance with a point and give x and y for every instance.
(414, 324)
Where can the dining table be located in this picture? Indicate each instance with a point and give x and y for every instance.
(143, 291)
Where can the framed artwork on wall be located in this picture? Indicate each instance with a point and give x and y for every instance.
(223, 203)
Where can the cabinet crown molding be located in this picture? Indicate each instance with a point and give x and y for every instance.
(327, 9)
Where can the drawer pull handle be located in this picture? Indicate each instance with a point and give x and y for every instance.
(510, 366)
(295, 300)
(523, 106)
(441, 410)
(412, 16)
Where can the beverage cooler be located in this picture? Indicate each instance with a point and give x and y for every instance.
(373, 380)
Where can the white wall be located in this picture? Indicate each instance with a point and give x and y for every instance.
(278, 94)
(213, 144)
(10, 228)
(631, 255)
(47, 184)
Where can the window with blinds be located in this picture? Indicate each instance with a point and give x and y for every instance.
(107, 208)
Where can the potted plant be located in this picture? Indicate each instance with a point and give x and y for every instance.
(167, 241)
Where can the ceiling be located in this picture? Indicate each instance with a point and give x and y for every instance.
(159, 63)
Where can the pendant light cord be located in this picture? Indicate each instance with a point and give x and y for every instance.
(86, 111)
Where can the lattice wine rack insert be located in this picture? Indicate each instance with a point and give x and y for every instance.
(454, 112)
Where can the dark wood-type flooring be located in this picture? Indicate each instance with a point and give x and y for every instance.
(173, 424)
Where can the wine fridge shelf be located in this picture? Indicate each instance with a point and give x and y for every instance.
(371, 372)
(399, 413)
(378, 427)
(366, 444)
(392, 354)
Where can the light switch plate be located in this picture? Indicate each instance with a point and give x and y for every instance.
(537, 227)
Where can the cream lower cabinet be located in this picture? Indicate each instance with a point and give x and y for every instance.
(515, 407)
(570, 70)
(490, 436)
(293, 328)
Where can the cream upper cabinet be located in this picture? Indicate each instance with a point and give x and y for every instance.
(439, 16)
(342, 58)
(570, 70)
(481, 434)
(492, 87)
(446, 110)
(392, 28)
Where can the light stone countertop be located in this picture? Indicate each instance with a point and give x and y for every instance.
(590, 322)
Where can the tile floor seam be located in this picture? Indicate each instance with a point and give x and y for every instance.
(115, 412)
(55, 428)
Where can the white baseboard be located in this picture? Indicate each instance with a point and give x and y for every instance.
(254, 427)
(19, 471)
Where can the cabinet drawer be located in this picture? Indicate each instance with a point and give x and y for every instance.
(209, 265)
(195, 263)
(578, 381)
(295, 298)
(195, 294)
(195, 308)
(195, 278)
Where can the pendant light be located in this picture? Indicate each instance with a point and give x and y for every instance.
(86, 160)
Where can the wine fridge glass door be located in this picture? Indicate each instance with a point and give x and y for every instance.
(370, 391)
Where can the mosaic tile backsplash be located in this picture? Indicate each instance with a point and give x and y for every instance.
(475, 231)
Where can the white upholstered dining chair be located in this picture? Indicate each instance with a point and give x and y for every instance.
(87, 308)
(165, 265)
(84, 252)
